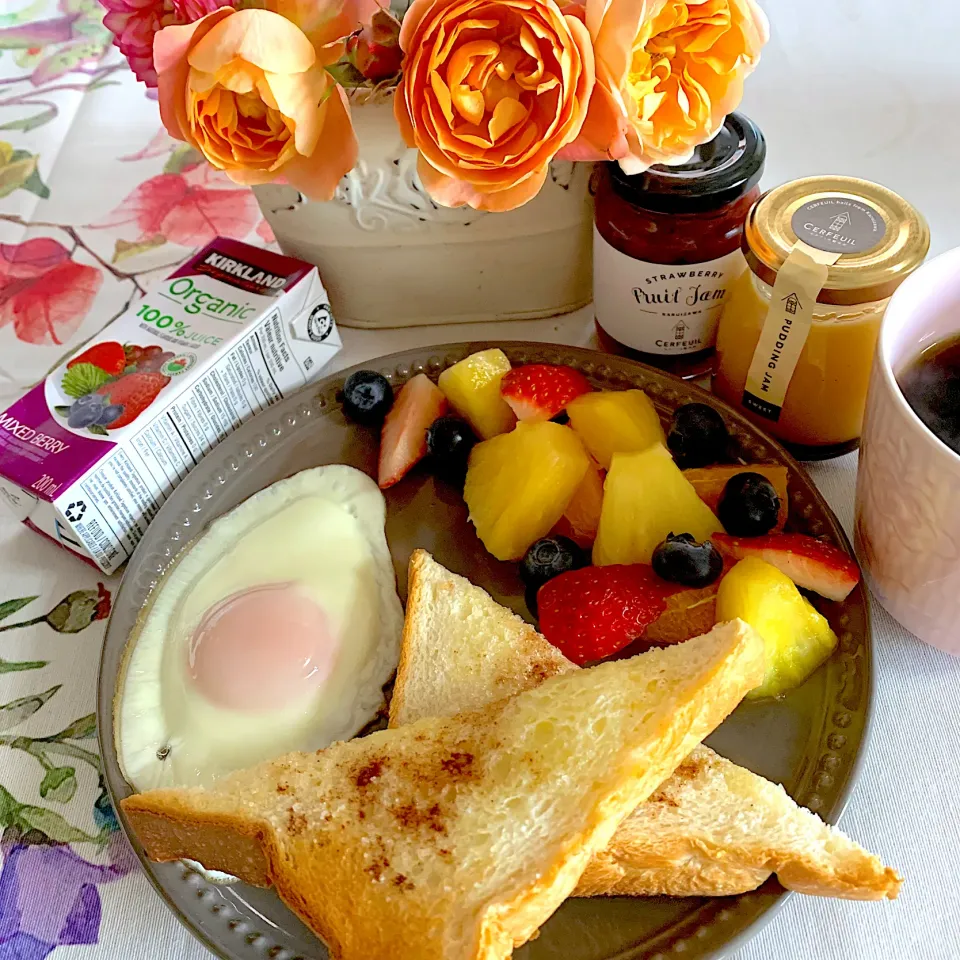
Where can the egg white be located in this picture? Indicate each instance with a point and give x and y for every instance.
(322, 529)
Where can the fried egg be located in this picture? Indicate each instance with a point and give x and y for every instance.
(275, 631)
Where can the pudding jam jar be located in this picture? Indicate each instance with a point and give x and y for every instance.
(666, 249)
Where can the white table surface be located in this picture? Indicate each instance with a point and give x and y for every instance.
(863, 87)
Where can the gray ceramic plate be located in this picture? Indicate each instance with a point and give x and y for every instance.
(809, 741)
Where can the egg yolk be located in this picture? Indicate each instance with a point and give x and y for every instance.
(261, 648)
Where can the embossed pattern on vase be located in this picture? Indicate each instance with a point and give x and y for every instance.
(386, 194)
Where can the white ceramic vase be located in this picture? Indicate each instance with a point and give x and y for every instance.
(390, 257)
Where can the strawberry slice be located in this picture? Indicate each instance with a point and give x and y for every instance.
(109, 356)
(403, 439)
(594, 612)
(539, 391)
(808, 562)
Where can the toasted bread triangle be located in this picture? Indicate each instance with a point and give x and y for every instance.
(711, 829)
(458, 837)
(461, 649)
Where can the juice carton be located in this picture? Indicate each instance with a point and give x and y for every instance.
(90, 455)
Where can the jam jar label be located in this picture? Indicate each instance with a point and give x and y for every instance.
(659, 308)
(785, 329)
(838, 225)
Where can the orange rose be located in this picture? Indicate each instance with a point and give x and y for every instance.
(490, 93)
(249, 90)
(668, 72)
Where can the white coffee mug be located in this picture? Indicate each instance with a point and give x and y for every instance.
(907, 532)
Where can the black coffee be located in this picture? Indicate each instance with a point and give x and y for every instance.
(931, 384)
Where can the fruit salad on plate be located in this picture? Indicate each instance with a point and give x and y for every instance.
(627, 535)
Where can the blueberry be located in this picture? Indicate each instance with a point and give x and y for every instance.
(562, 418)
(749, 505)
(698, 436)
(83, 416)
(110, 413)
(89, 398)
(449, 441)
(367, 397)
(548, 558)
(680, 559)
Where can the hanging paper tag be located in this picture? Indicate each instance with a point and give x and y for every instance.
(785, 330)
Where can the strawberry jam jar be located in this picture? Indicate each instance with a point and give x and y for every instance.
(666, 249)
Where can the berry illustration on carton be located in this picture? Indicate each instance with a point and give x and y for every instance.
(90, 455)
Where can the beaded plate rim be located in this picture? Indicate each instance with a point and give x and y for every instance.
(713, 930)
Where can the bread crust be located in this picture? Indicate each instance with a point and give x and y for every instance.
(666, 848)
(674, 844)
(401, 834)
(535, 659)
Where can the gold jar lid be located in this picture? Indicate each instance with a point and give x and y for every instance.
(880, 238)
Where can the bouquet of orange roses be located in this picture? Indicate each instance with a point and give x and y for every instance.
(488, 91)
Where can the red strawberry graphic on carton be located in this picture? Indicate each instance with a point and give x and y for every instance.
(132, 394)
(112, 384)
(109, 356)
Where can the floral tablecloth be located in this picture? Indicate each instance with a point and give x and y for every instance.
(96, 200)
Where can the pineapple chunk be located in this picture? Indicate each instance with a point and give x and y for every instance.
(472, 387)
(645, 497)
(519, 484)
(624, 421)
(797, 636)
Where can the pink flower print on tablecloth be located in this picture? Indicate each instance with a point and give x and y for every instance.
(265, 232)
(44, 293)
(188, 209)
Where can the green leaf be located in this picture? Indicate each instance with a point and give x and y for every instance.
(61, 411)
(12, 666)
(18, 166)
(124, 249)
(81, 729)
(60, 784)
(61, 60)
(15, 174)
(16, 711)
(83, 378)
(35, 185)
(31, 123)
(181, 157)
(52, 824)
(99, 431)
(347, 75)
(100, 84)
(8, 807)
(9, 607)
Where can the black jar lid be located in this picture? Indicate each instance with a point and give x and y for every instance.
(719, 172)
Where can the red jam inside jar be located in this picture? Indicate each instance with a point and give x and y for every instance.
(667, 248)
